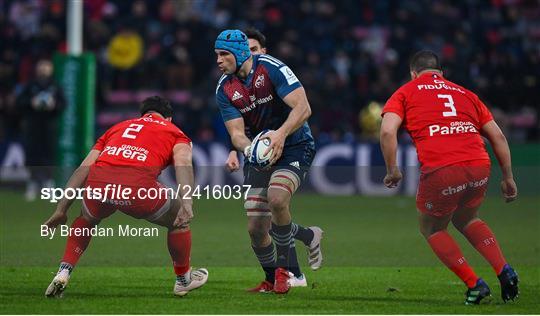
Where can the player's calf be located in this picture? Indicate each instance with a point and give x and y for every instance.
(258, 228)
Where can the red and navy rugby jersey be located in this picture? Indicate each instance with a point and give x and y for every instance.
(259, 98)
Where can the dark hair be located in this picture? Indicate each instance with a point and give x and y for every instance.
(424, 59)
(255, 34)
(156, 104)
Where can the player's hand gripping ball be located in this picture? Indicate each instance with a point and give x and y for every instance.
(257, 150)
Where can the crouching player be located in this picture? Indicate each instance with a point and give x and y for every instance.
(259, 92)
(132, 154)
(446, 122)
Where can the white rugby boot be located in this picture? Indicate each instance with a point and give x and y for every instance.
(315, 256)
(300, 281)
(58, 284)
(198, 278)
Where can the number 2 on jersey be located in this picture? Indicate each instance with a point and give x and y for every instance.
(133, 129)
(449, 104)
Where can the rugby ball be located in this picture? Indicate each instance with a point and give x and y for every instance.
(258, 147)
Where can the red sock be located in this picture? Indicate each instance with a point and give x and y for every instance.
(482, 238)
(179, 244)
(76, 245)
(446, 248)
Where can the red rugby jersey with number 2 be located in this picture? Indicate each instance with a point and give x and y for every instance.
(141, 147)
(443, 120)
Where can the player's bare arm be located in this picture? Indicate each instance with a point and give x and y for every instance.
(496, 138)
(183, 166)
(76, 180)
(301, 111)
(236, 129)
(232, 163)
(389, 129)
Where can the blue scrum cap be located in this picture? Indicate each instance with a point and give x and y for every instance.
(235, 42)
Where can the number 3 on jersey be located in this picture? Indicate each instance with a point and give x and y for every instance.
(133, 129)
(449, 104)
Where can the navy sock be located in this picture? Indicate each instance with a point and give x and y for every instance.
(267, 259)
(303, 234)
(293, 265)
(285, 249)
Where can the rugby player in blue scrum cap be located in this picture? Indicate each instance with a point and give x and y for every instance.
(256, 93)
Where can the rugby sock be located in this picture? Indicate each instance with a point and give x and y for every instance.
(65, 266)
(267, 259)
(285, 250)
(293, 266)
(303, 234)
(76, 245)
(446, 248)
(179, 243)
(184, 279)
(483, 239)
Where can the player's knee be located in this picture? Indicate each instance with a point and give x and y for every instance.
(425, 232)
(458, 225)
(428, 230)
(461, 224)
(91, 220)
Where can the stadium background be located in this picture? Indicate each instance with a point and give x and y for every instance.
(350, 56)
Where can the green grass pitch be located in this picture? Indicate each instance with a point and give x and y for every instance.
(376, 262)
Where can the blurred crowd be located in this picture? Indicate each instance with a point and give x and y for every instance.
(348, 54)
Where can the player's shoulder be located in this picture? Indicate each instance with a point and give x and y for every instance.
(278, 71)
(465, 90)
(222, 80)
(407, 88)
(269, 61)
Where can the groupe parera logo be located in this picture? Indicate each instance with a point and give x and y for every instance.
(456, 127)
(127, 151)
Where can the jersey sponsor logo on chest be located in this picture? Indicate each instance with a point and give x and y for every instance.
(255, 102)
(456, 127)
